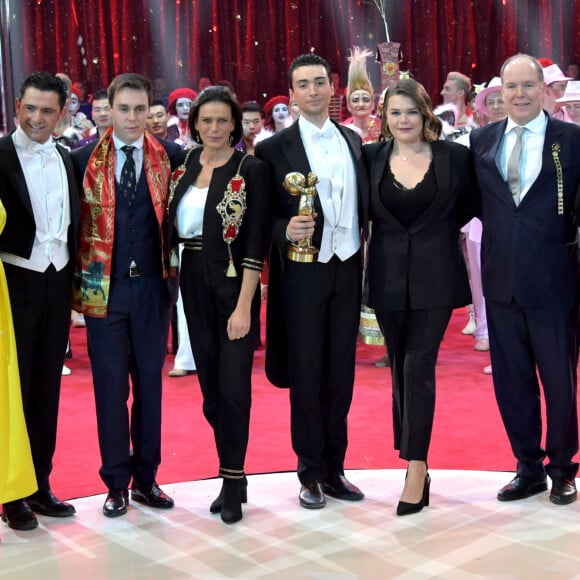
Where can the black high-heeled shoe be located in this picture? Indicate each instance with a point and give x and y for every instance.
(231, 511)
(216, 504)
(405, 508)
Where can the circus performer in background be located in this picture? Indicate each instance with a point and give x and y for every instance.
(360, 98)
(180, 101)
(277, 114)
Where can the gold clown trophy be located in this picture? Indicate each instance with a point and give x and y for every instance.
(296, 184)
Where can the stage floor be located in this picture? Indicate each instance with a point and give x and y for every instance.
(465, 533)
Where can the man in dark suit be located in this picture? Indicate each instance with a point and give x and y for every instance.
(314, 308)
(122, 291)
(38, 247)
(528, 170)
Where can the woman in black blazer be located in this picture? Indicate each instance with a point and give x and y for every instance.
(421, 194)
(218, 209)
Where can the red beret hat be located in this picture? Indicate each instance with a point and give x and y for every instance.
(183, 93)
(279, 100)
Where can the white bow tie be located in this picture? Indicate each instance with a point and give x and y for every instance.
(46, 149)
(327, 133)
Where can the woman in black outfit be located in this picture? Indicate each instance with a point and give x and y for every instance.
(420, 196)
(218, 209)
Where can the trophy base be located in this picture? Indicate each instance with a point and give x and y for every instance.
(306, 255)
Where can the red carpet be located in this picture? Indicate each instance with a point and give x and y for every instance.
(468, 433)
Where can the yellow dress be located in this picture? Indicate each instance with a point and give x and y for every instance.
(17, 478)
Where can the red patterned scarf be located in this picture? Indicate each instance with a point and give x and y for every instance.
(98, 218)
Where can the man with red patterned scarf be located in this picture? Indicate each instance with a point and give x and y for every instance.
(121, 289)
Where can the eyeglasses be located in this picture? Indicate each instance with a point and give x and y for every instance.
(570, 107)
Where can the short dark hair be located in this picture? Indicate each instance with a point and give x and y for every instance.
(133, 81)
(100, 95)
(308, 59)
(217, 94)
(415, 91)
(253, 107)
(45, 81)
(158, 103)
(523, 56)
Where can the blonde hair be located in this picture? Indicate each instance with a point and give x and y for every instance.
(358, 78)
(462, 81)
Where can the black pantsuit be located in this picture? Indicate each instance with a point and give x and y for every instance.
(417, 276)
(413, 338)
(224, 366)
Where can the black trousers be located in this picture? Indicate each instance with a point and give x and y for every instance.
(413, 339)
(130, 342)
(526, 342)
(224, 366)
(322, 311)
(41, 307)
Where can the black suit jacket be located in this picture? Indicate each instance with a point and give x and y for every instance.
(423, 262)
(285, 153)
(20, 230)
(529, 251)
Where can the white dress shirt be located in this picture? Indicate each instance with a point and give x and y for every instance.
(47, 184)
(532, 149)
(330, 160)
(120, 156)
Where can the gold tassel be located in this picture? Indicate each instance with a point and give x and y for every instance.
(231, 270)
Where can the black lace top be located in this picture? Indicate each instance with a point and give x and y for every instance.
(408, 204)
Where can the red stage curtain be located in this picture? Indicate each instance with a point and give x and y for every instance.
(251, 42)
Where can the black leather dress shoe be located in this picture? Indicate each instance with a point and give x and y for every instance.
(44, 502)
(311, 496)
(18, 515)
(563, 490)
(521, 487)
(151, 495)
(116, 503)
(340, 487)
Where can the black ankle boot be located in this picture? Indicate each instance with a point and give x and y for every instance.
(405, 508)
(216, 504)
(231, 511)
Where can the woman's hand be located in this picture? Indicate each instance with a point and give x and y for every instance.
(241, 319)
(239, 323)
